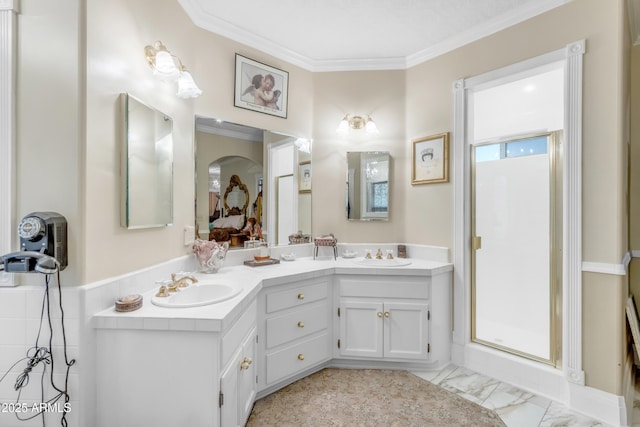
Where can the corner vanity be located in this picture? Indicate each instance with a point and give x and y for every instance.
(206, 365)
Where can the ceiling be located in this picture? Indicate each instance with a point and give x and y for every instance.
(336, 35)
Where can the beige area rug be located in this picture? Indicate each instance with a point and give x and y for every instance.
(367, 397)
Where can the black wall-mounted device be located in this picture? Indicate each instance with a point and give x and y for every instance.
(43, 245)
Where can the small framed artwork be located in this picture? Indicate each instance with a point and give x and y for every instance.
(304, 177)
(260, 87)
(430, 159)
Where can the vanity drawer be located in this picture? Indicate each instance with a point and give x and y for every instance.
(298, 324)
(384, 287)
(296, 358)
(296, 296)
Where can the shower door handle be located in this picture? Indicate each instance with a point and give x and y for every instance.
(476, 242)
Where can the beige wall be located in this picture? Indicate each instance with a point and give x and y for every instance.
(50, 119)
(634, 172)
(117, 32)
(602, 24)
(68, 148)
(382, 95)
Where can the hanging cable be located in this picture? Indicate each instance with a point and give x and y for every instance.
(42, 355)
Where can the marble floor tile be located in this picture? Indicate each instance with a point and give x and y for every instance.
(469, 384)
(558, 415)
(516, 407)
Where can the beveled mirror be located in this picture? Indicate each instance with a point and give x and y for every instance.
(146, 165)
(367, 195)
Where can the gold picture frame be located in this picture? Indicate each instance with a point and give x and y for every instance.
(430, 159)
(304, 177)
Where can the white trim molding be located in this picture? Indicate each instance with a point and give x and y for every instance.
(207, 20)
(8, 42)
(570, 58)
(572, 215)
(621, 269)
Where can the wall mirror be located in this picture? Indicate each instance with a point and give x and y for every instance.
(368, 186)
(146, 165)
(230, 158)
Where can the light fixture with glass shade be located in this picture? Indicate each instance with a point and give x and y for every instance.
(164, 65)
(357, 123)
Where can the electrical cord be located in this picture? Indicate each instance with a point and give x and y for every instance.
(40, 355)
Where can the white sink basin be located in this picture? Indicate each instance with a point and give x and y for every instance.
(197, 295)
(395, 262)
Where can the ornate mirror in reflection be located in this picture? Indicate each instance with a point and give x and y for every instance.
(367, 197)
(258, 158)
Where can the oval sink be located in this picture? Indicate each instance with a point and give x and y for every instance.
(395, 262)
(197, 295)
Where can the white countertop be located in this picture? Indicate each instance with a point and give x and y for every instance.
(218, 317)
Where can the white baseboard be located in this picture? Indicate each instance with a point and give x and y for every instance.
(549, 382)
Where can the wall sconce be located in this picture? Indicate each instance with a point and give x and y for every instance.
(356, 123)
(164, 66)
(303, 145)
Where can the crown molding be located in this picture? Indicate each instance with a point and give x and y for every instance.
(493, 26)
(209, 22)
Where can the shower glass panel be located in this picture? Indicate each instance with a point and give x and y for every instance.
(513, 285)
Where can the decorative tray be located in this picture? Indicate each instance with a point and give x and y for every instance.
(254, 263)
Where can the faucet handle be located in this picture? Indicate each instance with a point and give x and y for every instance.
(162, 292)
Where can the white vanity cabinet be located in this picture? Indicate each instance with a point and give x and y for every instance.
(175, 371)
(393, 318)
(294, 331)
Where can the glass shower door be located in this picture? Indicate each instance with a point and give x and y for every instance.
(513, 243)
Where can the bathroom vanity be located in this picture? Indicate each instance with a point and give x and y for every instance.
(206, 365)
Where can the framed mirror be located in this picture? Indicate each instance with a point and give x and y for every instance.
(146, 165)
(258, 158)
(367, 191)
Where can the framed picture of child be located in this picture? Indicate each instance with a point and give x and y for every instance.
(260, 87)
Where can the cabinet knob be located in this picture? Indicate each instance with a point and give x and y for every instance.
(245, 363)
(300, 324)
(379, 314)
(300, 296)
(387, 314)
(301, 356)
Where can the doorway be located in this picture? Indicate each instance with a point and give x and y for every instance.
(515, 127)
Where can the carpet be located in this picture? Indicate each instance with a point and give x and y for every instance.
(367, 397)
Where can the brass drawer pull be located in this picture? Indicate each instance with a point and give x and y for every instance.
(379, 314)
(300, 324)
(387, 314)
(300, 296)
(301, 356)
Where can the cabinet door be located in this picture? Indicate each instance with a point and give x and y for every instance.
(229, 392)
(406, 334)
(361, 328)
(247, 378)
(238, 384)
